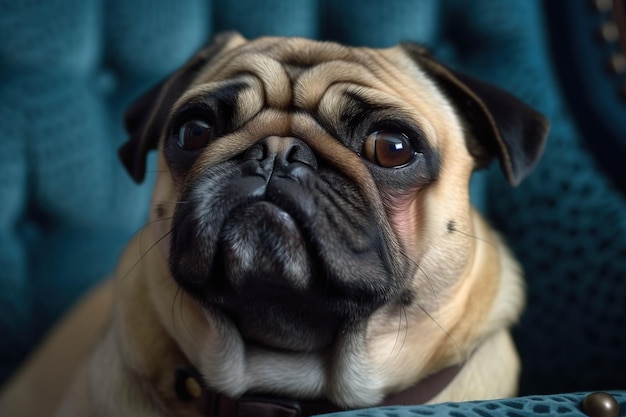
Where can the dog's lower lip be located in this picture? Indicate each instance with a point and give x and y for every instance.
(263, 240)
(278, 212)
(265, 212)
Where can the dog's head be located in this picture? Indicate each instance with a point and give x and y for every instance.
(304, 186)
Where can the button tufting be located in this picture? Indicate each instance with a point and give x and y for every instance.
(602, 5)
(617, 63)
(600, 404)
(609, 32)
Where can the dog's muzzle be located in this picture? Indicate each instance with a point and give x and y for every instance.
(282, 244)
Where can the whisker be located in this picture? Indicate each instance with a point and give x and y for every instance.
(417, 266)
(447, 333)
(437, 303)
(391, 355)
(432, 288)
(169, 202)
(406, 331)
(144, 229)
(145, 253)
(178, 296)
(453, 229)
(159, 220)
(406, 328)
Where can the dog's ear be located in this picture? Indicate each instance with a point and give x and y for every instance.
(500, 124)
(145, 118)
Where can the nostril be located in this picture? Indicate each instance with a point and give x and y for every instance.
(255, 153)
(291, 154)
(299, 152)
(276, 152)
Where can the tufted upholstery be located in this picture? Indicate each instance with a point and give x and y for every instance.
(69, 67)
(567, 222)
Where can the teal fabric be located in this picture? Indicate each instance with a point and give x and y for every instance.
(598, 103)
(563, 405)
(68, 68)
(567, 221)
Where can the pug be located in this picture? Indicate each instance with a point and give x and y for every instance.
(311, 245)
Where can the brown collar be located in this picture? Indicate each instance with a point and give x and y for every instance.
(190, 388)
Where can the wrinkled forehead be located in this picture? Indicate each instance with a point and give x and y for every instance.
(296, 73)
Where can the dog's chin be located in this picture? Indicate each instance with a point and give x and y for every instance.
(266, 270)
(269, 327)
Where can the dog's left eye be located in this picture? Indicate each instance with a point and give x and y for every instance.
(388, 149)
(194, 134)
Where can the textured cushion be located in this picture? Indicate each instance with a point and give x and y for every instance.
(566, 222)
(595, 87)
(555, 405)
(68, 68)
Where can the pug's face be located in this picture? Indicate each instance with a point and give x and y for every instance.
(304, 186)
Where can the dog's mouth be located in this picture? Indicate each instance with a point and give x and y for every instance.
(291, 266)
(266, 268)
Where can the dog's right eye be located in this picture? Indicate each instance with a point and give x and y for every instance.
(194, 134)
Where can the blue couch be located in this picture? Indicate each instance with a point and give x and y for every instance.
(68, 68)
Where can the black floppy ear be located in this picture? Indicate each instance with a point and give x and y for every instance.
(145, 118)
(500, 124)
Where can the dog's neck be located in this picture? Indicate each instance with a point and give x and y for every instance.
(190, 388)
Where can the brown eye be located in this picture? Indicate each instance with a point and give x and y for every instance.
(388, 149)
(194, 134)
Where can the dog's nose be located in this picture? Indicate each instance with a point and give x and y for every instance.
(280, 153)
